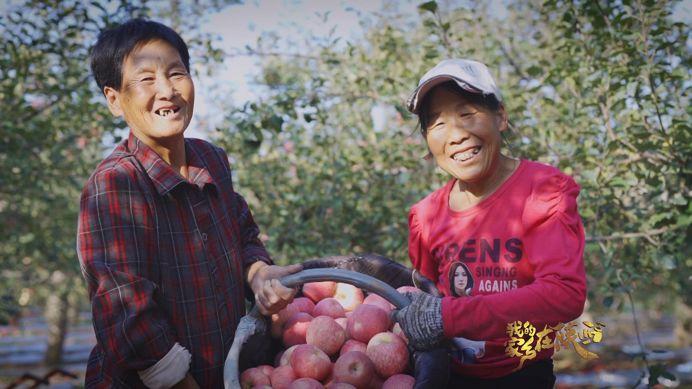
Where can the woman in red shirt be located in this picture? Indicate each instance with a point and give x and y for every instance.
(510, 225)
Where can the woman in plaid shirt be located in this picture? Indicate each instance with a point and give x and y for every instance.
(166, 245)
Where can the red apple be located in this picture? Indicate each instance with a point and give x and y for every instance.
(282, 377)
(286, 356)
(329, 307)
(353, 345)
(317, 291)
(253, 377)
(330, 378)
(308, 361)
(399, 381)
(354, 368)
(306, 383)
(326, 334)
(279, 319)
(295, 329)
(366, 321)
(303, 304)
(376, 382)
(389, 354)
(348, 296)
(396, 330)
(378, 301)
(343, 322)
(266, 369)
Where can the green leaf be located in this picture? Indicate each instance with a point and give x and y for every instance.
(678, 199)
(534, 70)
(656, 218)
(430, 6)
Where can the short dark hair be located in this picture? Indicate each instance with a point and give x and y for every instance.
(116, 43)
(488, 101)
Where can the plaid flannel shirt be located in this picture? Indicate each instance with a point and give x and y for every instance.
(164, 259)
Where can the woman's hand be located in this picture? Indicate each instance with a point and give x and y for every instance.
(270, 295)
(421, 321)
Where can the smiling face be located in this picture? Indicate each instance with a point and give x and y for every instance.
(157, 95)
(463, 137)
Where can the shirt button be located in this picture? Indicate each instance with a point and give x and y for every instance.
(204, 236)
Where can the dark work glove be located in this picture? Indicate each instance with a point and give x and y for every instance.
(421, 321)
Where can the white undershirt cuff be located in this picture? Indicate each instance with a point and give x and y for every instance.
(169, 370)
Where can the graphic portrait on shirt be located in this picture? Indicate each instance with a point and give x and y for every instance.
(460, 280)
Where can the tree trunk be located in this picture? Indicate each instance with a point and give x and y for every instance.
(683, 323)
(56, 319)
(73, 308)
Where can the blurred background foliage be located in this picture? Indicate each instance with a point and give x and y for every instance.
(599, 90)
(329, 159)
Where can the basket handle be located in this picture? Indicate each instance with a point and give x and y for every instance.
(371, 284)
(360, 280)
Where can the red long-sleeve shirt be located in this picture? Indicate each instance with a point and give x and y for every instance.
(164, 260)
(523, 247)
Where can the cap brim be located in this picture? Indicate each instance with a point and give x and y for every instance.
(414, 101)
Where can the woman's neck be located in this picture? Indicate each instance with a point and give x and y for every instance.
(467, 194)
(172, 151)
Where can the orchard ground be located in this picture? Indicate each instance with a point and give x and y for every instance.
(22, 345)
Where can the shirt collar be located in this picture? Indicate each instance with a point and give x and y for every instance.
(162, 174)
(197, 168)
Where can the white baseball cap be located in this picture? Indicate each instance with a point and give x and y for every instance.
(470, 75)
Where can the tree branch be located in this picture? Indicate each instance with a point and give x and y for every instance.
(630, 235)
(252, 52)
(512, 62)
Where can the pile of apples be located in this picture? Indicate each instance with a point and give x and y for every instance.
(336, 338)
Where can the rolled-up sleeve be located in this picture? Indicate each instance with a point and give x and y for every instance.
(116, 245)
